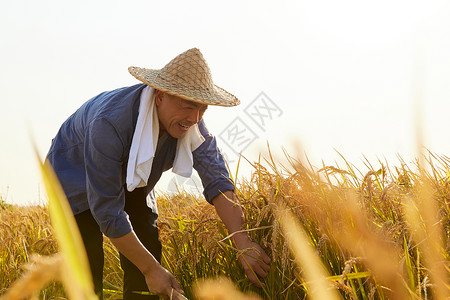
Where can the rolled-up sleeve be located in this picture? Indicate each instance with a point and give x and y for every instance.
(211, 167)
(103, 152)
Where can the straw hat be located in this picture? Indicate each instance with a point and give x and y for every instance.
(187, 76)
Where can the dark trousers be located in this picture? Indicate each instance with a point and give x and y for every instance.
(143, 221)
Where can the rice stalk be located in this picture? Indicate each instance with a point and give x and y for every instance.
(315, 275)
(422, 217)
(77, 278)
(352, 220)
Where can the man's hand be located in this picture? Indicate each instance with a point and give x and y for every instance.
(162, 282)
(253, 259)
(159, 280)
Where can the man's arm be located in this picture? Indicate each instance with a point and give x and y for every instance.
(159, 280)
(103, 158)
(255, 260)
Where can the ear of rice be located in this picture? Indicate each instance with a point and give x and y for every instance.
(40, 271)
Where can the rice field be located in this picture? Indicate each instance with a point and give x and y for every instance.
(332, 232)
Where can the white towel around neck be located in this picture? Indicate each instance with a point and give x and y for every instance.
(145, 141)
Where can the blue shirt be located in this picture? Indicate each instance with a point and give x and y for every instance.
(90, 155)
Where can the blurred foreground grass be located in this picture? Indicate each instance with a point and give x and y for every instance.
(381, 233)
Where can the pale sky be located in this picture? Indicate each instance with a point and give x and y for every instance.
(344, 75)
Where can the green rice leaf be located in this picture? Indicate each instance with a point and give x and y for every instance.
(350, 276)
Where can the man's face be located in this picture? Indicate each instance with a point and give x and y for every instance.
(176, 114)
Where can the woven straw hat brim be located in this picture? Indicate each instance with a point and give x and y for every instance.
(210, 96)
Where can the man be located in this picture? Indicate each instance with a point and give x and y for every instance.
(111, 152)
